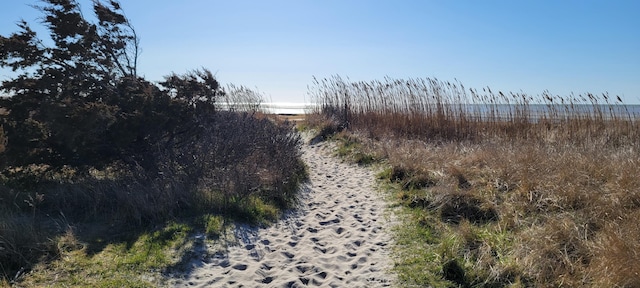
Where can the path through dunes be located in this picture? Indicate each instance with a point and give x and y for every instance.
(338, 238)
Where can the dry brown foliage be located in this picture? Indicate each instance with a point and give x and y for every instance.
(559, 177)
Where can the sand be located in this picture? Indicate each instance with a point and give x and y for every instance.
(338, 237)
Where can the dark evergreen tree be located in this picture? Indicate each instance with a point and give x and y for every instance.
(77, 99)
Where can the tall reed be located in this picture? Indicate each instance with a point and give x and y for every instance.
(427, 108)
(503, 189)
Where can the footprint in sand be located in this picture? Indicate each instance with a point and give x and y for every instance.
(337, 238)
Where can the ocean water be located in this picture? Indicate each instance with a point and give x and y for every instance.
(286, 108)
(481, 110)
(537, 111)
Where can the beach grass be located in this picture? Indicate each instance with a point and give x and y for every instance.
(497, 189)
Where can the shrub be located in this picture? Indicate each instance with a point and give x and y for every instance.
(84, 137)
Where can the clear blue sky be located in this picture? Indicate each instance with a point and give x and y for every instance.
(277, 46)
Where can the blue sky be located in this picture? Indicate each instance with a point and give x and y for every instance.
(277, 46)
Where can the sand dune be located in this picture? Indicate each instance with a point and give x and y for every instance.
(337, 238)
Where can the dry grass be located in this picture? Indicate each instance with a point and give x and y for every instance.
(244, 168)
(294, 118)
(511, 196)
(434, 110)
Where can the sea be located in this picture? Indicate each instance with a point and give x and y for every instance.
(287, 108)
(496, 110)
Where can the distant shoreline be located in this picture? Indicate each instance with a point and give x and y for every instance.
(534, 110)
(287, 108)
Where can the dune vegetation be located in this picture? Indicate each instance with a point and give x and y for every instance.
(497, 189)
(106, 177)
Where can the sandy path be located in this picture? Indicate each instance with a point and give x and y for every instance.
(337, 238)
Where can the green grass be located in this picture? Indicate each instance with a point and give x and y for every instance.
(98, 255)
(350, 148)
(428, 252)
(415, 249)
(133, 262)
(213, 225)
